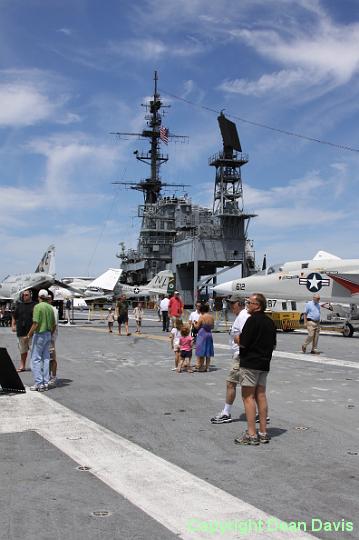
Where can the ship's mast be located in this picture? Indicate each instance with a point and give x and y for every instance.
(151, 187)
(158, 231)
(155, 122)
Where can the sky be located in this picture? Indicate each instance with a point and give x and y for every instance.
(73, 71)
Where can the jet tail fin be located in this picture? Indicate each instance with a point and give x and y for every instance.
(325, 255)
(161, 282)
(47, 263)
(108, 280)
(264, 263)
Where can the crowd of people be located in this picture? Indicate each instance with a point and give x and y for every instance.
(252, 338)
(195, 334)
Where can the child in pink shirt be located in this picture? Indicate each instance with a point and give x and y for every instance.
(185, 345)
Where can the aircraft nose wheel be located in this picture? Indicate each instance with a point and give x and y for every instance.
(348, 330)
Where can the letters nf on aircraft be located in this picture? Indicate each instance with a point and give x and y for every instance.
(335, 279)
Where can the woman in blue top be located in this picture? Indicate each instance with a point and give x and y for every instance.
(204, 343)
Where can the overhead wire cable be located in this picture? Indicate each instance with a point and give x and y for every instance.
(105, 223)
(264, 126)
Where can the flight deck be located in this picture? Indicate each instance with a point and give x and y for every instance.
(123, 447)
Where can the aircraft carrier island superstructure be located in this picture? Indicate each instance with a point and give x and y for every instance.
(191, 240)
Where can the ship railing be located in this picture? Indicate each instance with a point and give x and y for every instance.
(202, 233)
(129, 255)
(241, 157)
(156, 241)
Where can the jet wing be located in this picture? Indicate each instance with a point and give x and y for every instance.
(63, 285)
(5, 298)
(97, 297)
(348, 281)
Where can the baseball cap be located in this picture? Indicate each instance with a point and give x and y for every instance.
(234, 299)
(43, 293)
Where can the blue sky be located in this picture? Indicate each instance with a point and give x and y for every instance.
(73, 71)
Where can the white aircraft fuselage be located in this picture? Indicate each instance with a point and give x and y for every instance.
(12, 286)
(334, 279)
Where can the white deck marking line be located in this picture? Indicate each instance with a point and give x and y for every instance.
(167, 493)
(277, 354)
(315, 359)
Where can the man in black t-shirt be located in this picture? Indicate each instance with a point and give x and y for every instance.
(258, 339)
(21, 322)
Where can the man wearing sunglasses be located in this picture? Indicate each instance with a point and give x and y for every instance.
(21, 322)
(258, 339)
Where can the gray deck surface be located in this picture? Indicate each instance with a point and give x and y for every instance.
(126, 385)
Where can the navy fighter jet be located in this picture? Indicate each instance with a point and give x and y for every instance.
(335, 279)
(43, 277)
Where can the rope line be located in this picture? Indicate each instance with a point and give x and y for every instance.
(264, 126)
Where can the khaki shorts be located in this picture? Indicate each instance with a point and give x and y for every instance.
(252, 377)
(233, 376)
(175, 319)
(24, 344)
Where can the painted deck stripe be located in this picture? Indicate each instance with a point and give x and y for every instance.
(314, 359)
(320, 359)
(167, 493)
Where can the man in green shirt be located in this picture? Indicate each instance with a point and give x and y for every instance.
(43, 325)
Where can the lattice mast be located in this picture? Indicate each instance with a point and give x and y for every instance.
(228, 193)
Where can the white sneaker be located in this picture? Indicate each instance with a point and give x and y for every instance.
(221, 418)
(52, 381)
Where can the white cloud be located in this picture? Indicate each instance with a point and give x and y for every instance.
(73, 164)
(331, 49)
(32, 96)
(279, 81)
(92, 258)
(65, 31)
(193, 91)
(23, 105)
(16, 204)
(287, 207)
(154, 49)
(69, 118)
(200, 15)
(292, 218)
(73, 173)
(326, 55)
(296, 193)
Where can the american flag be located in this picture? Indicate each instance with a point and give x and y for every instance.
(164, 134)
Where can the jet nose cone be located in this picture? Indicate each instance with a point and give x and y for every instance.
(224, 289)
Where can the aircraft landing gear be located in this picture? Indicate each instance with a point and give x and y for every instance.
(348, 330)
